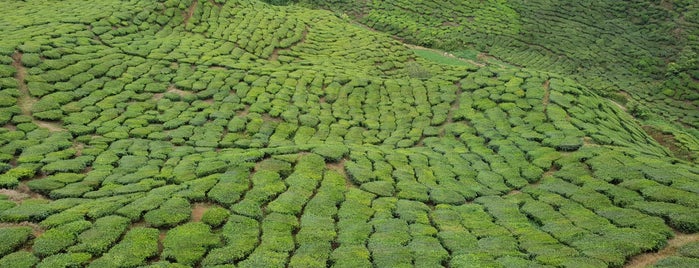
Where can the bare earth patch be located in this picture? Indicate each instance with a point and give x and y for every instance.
(650, 258)
(24, 101)
(198, 211)
(339, 167)
(190, 12)
(173, 89)
(51, 126)
(668, 141)
(13, 195)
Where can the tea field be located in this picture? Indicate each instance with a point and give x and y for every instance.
(642, 54)
(214, 133)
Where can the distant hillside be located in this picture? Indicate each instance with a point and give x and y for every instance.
(643, 54)
(212, 133)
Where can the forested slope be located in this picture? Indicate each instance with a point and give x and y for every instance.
(239, 134)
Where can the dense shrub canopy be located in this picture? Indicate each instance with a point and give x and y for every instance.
(218, 133)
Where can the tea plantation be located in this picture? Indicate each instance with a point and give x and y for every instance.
(235, 133)
(643, 54)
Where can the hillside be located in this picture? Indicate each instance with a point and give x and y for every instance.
(642, 54)
(213, 133)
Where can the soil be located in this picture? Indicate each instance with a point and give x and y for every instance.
(668, 141)
(51, 126)
(190, 12)
(650, 258)
(198, 211)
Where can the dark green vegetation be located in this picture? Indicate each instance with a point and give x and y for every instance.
(313, 142)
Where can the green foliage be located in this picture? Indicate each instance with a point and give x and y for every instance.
(65, 260)
(215, 216)
(317, 143)
(171, 213)
(137, 245)
(19, 259)
(690, 250)
(188, 243)
(101, 236)
(58, 239)
(677, 261)
(13, 237)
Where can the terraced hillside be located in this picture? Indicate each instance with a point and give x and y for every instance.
(643, 54)
(238, 134)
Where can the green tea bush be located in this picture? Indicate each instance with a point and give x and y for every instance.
(215, 216)
(677, 261)
(381, 188)
(19, 259)
(101, 236)
(171, 213)
(137, 245)
(240, 235)
(230, 186)
(188, 243)
(58, 239)
(65, 260)
(13, 238)
(30, 210)
(332, 153)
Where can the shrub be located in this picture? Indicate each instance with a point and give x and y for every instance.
(8, 181)
(215, 216)
(381, 188)
(206, 167)
(240, 235)
(331, 152)
(65, 260)
(174, 211)
(677, 262)
(31, 59)
(100, 237)
(231, 185)
(19, 259)
(188, 243)
(690, 250)
(427, 251)
(441, 195)
(351, 256)
(57, 239)
(29, 210)
(137, 245)
(13, 238)
(151, 201)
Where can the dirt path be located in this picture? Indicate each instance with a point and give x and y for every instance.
(190, 11)
(198, 211)
(648, 259)
(25, 101)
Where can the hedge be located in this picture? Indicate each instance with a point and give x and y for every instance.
(59, 238)
(240, 235)
(65, 260)
(135, 248)
(187, 243)
(215, 216)
(19, 259)
(101, 236)
(230, 187)
(13, 238)
(171, 213)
